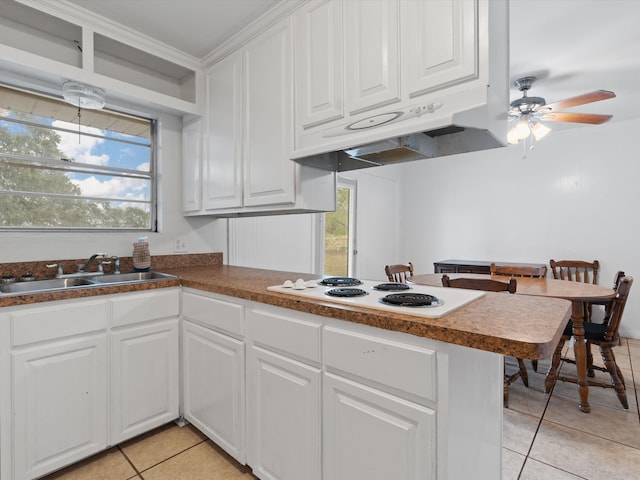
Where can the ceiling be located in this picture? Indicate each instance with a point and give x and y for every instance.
(572, 46)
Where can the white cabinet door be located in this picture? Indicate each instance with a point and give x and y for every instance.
(372, 435)
(144, 378)
(439, 44)
(223, 165)
(372, 68)
(192, 166)
(283, 417)
(213, 386)
(60, 404)
(268, 170)
(318, 60)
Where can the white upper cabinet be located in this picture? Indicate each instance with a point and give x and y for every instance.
(371, 54)
(318, 60)
(268, 172)
(439, 39)
(191, 160)
(397, 67)
(245, 160)
(222, 181)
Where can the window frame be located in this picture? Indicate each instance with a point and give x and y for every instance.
(65, 165)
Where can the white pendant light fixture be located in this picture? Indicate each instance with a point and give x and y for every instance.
(83, 96)
(526, 128)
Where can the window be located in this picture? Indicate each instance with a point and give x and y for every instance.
(339, 232)
(63, 168)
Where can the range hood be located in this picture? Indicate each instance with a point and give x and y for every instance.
(449, 140)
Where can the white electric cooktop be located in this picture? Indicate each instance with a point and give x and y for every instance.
(451, 298)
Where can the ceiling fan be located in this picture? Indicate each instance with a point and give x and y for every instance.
(529, 111)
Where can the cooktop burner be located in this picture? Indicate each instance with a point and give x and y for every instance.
(392, 287)
(346, 292)
(411, 300)
(339, 282)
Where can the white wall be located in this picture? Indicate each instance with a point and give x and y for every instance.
(201, 234)
(289, 242)
(573, 197)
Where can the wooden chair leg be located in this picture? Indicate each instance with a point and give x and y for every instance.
(555, 363)
(534, 365)
(505, 394)
(590, 372)
(616, 376)
(523, 372)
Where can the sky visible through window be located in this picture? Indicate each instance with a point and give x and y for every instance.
(98, 151)
(104, 167)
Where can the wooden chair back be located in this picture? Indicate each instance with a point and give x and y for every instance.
(575, 270)
(519, 270)
(491, 285)
(486, 284)
(399, 273)
(617, 309)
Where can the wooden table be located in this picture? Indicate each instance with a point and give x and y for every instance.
(578, 293)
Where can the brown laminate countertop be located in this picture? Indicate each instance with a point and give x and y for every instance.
(518, 325)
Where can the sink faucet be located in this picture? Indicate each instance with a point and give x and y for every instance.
(116, 263)
(83, 268)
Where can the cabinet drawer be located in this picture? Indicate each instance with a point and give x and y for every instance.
(32, 325)
(294, 334)
(403, 367)
(213, 312)
(142, 307)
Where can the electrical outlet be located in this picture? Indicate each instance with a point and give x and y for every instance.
(180, 245)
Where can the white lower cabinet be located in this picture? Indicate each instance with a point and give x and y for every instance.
(213, 386)
(65, 395)
(144, 378)
(145, 388)
(60, 404)
(380, 400)
(213, 369)
(284, 417)
(293, 395)
(372, 435)
(283, 394)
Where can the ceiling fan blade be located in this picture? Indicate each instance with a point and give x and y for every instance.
(592, 118)
(579, 100)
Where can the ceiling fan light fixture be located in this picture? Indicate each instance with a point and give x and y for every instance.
(539, 130)
(518, 132)
(83, 96)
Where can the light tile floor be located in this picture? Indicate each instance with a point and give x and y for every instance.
(545, 437)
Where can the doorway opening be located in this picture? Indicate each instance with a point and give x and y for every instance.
(339, 238)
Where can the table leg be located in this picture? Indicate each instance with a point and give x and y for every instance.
(580, 352)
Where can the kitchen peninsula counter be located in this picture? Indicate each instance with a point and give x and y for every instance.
(515, 325)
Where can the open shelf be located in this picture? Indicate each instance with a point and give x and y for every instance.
(126, 63)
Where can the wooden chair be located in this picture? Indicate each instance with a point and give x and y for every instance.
(575, 270)
(519, 270)
(399, 273)
(578, 271)
(489, 285)
(604, 335)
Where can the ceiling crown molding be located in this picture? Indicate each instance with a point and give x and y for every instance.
(280, 11)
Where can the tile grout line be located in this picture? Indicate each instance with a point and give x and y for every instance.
(538, 427)
(162, 461)
(633, 381)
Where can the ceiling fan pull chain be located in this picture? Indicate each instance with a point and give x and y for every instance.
(78, 124)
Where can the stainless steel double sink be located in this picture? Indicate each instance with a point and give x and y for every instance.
(51, 284)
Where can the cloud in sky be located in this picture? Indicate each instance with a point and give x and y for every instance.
(84, 152)
(81, 152)
(118, 187)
